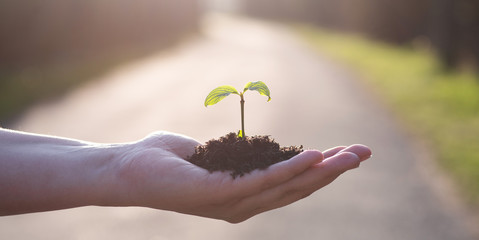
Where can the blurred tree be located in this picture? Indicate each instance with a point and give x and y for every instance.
(52, 31)
(50, 46)
(454, 31)
(452, 26)
(443, 29)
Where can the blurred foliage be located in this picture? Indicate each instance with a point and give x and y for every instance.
(58, 31)
(451, 26)
(50, 46)
(441, 106)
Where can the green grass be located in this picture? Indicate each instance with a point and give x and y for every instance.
(440, 106)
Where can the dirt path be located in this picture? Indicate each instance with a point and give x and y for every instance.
(315, 103)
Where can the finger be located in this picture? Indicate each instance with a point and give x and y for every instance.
(340, 159)
(299, 187)
(362, 151)
(259, 180)
(332, 151)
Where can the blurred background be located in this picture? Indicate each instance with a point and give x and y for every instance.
(70, 41)
(449, 26)
(50, 46)
(398, 75)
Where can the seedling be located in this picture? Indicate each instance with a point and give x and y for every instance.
(223, 91)
(234, 152)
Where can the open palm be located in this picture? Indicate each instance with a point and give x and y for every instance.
(156, 174)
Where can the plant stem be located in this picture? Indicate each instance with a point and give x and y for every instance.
(242, 117)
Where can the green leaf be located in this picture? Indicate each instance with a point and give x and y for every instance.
(258, 86)
(218, 94)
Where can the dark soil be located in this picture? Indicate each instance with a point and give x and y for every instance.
(240, 156)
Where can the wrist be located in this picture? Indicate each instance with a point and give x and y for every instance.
(105, 182)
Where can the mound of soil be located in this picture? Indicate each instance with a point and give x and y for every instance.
(240, 156)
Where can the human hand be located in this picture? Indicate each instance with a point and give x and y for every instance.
(154, 173)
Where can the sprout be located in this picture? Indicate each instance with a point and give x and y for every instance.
(223, 91)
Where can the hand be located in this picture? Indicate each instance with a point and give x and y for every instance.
(153, 173)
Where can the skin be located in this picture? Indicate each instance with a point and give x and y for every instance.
(44, 173)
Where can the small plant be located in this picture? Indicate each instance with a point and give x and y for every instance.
(237, 153)
(223, 91)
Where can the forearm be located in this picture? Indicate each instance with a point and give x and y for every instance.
(42, 173)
